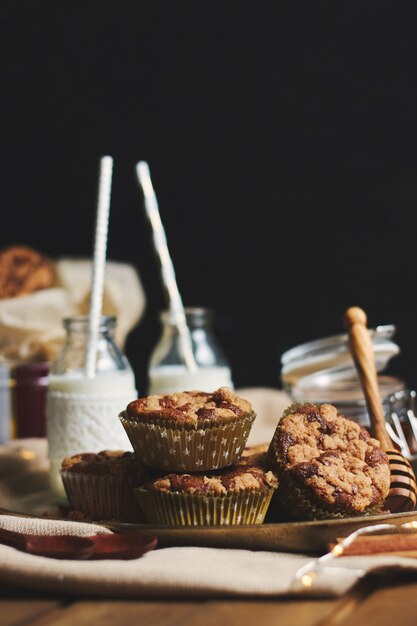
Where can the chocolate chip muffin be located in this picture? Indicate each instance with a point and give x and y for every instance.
(101, 485)
(328, 465)
(189, 431)
(237, 495)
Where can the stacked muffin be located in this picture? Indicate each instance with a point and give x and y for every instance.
(190, 465)
(189, 431)
(197, 438)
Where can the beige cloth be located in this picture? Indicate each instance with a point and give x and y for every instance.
(31, 325)
(269, 404)
(178, 572)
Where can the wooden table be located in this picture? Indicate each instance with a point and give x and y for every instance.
(375, 602)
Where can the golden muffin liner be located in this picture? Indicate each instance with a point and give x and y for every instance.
(102, 497)
(184, 509)
(168, 445)
(301, 502)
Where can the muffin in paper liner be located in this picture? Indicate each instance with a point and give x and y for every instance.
(100, 485)
(184, 509)
(239, 494)
(104, 497)
(298, 499)
(169, 445)
(189, 431)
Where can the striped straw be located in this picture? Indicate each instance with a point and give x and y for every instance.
(176, 306)
(99, 263)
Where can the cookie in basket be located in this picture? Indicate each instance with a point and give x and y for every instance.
(23, 271)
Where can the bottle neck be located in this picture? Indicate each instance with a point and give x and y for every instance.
(169, 350)
(77, 327)
(72, 357)
(194, 317)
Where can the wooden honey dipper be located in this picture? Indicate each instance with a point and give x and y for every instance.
(402, 492)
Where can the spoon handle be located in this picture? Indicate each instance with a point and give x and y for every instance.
(363, 355)
(12, 538)
(402, 491)
(52, 546)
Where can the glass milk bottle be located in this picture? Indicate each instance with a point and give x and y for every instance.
(82, 413)
(167, 369)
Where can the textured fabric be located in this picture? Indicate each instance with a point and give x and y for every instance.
(180, 572)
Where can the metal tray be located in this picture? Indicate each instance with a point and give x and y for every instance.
(27, 493)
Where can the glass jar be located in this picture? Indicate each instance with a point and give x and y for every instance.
(168, 371)
(5, 403)
(82, 413)
(29, 398)
(323, 371)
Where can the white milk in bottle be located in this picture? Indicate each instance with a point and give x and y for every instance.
(167, 370)
(82, 413)
(170, 378)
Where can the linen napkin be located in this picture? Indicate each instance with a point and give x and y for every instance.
(179, 572)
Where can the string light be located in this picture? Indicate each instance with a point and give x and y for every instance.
(306, 575)
(337, 550)
(307, 580)
(28, 455)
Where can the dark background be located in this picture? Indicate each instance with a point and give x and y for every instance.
(282, 139)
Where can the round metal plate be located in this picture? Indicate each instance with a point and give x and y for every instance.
(27, 493)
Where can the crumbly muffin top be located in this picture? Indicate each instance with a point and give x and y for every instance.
(115, 462)
(247, 475)
(192, 408)
(334, 456)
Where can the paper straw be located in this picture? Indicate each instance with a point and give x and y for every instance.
(99, 263)
(167, 268)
